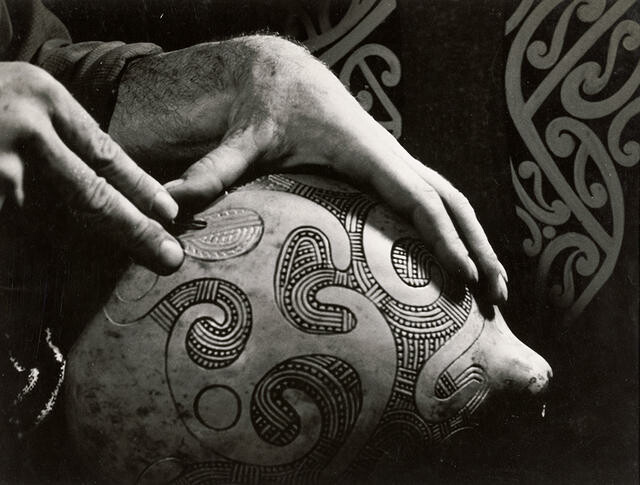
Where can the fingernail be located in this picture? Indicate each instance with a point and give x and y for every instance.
(173, 183)
(171, 253)
(503, 293)
(164, 206)
(472, 270)
(503, 272)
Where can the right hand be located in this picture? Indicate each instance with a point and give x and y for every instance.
(264, 102)
(42, 124)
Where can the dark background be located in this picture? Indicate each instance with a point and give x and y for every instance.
(451, 97)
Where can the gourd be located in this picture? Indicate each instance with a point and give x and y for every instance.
(308, 330)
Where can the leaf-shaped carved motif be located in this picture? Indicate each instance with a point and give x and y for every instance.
(229, 233)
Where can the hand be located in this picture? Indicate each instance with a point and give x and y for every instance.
(42, 125)
(264, 99)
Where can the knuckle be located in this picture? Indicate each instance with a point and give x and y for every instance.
(206, 165)
(96, 197)
(205, 172)
(268, 133)
(430, 192)
(31, 127)
(27, 126)
(459, 200)
(28, 82)
(36, 86)
(28, 71)
(103, 149)
(38, 79)
(26, 122)
(275, 56)
(427, 197)
(141, 182)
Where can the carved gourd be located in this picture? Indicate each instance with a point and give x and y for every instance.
(308, 330)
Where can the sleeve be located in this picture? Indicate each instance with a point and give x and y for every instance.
(89, 70)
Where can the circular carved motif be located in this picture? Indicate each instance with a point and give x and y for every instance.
(386, 349)
(217, 407)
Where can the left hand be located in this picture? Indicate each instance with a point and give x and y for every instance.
(262, 99)
(44, 128)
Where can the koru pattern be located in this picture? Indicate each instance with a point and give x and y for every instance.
(305, 267)
(334, 387)
(213, 341)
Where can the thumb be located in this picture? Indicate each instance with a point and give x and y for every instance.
(207, 178)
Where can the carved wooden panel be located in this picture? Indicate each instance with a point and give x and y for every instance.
(572, 79)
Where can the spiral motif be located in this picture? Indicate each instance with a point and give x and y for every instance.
(412, 262)
(216, 339)
(332, 384)
(213, 344)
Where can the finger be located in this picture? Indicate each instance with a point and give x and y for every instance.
(98, 150)
(12, 175)
(409, 194)
(492, 272)
(106, 209)
(476, 239)
(207, 178)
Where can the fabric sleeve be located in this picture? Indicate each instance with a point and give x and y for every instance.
(89, 70)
